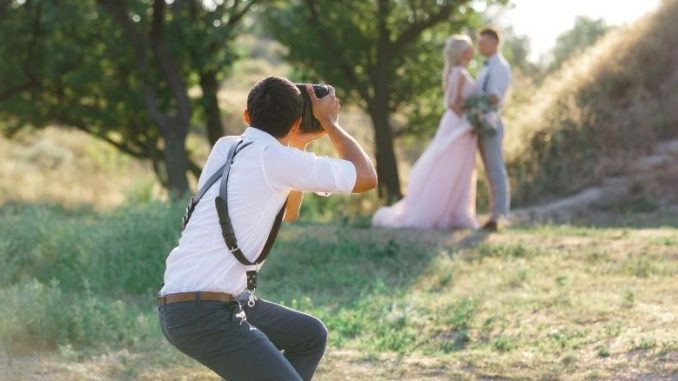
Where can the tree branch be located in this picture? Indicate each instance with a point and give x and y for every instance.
(124, 147)
(314, 20)
(411, 33)
(138, 41)
(194, 168)
(30, 49)
(235, 17)
(157, 169)
(6, 93)
(168, 67)
(151, 154)
(4, 4)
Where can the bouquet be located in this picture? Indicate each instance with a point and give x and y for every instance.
(482, 115)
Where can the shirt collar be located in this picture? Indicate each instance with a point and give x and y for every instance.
(493, 58)
(255, 134)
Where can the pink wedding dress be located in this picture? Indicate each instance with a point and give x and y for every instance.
(441, 190)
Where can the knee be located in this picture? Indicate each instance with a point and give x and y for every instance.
(318, 332)
(498, 174)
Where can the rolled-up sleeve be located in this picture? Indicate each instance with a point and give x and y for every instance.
(291, 169)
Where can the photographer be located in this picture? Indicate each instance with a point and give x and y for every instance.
(205, 310)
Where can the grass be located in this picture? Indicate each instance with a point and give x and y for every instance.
(580, 302)
(532, 302)
(70, 168)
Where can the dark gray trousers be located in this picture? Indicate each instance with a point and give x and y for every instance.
(246, 344)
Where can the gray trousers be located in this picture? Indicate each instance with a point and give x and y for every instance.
(492, 152)
(246, 344)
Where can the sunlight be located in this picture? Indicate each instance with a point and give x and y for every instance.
(543, 21)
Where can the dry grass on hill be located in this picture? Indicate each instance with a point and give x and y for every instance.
(606, 107)
(70, 168)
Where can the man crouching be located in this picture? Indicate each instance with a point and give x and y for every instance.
(249, 184)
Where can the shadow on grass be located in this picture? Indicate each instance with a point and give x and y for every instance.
(337, 266)
(357, 281)
(102, 270)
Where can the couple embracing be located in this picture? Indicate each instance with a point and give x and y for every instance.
(441, 190)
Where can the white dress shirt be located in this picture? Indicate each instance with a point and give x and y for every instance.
(261, 178)
(499, 78)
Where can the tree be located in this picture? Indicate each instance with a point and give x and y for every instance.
(385, 55)
(586, 32)
(210, 36)
(516, 50)
(119, 70)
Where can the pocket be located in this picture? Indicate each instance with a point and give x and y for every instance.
(195, 316)
(161, 320)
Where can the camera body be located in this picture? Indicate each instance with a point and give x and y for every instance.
(308, 122)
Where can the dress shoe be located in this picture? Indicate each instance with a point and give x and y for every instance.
(491, 226)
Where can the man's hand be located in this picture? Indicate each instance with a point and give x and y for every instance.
(325, 109)
(458, 109)
(493, 99)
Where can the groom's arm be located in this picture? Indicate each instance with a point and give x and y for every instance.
(499, 81)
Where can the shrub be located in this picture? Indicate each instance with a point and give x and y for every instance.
(605, 107)
(121, 252)
(41, 314)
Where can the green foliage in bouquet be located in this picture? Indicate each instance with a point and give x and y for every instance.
(482, 115)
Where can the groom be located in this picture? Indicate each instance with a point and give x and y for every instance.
(493, 80)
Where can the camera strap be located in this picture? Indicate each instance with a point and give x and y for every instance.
(227, 231)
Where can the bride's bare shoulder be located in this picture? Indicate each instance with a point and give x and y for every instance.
(466, 74)
(457, 71)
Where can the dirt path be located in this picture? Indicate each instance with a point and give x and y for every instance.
(337, 365)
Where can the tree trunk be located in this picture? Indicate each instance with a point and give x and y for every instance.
(387, 165)
(176, 162)
(210, 104)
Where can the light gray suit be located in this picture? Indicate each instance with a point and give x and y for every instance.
(495, 79)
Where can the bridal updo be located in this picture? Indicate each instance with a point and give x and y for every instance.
(455, 47)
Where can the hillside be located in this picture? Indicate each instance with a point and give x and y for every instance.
(602, 111)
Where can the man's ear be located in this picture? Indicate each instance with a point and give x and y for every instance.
(246, 117)
(296, 126)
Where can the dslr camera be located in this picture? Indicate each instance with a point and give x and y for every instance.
(308, 122)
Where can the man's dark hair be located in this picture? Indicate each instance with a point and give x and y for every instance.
(274, 104)
(490, 32)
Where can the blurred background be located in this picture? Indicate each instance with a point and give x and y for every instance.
(112, 102)
(109, 108)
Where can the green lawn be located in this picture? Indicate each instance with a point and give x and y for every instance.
(535, 302)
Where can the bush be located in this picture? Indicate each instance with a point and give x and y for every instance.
(121, 252)
(81, 278)
(35, 313)
(604, 108)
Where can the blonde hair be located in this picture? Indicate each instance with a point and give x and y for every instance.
(455, 47)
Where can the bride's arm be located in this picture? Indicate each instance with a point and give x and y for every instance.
(457, 105)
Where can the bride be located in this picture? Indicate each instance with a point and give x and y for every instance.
(441, 189)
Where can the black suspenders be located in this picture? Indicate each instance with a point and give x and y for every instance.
(221, 203)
